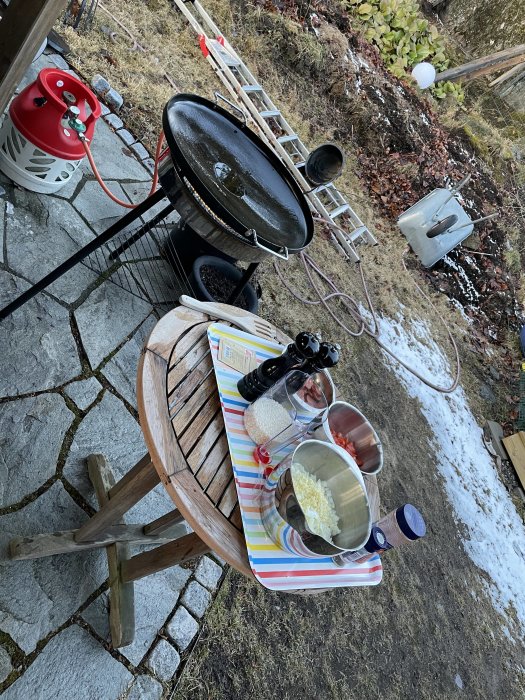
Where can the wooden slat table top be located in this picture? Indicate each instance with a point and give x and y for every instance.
(183, 427)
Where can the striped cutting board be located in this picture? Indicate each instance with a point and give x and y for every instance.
(272, 566)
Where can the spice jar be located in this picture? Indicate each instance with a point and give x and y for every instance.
(403, 525)
(376, 544)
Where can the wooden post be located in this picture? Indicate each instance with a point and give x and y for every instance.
(484, 66)
(23, 28)
(129, 490)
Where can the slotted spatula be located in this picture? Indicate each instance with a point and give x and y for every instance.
(243, 319)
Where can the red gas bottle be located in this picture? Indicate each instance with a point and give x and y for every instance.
(39, 144)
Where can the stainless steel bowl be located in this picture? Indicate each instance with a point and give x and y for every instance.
(346, 419)
(280, 505)
(325, 383)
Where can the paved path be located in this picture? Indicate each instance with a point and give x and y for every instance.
(67, 388)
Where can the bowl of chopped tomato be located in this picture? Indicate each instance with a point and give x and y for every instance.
(344, 425)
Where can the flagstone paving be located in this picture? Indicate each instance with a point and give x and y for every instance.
(67, 389)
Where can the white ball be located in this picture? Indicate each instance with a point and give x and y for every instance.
(424, 73)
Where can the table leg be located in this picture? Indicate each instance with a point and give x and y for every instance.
(121, 595)
(104, 530)
(120, 497)
(176, 552)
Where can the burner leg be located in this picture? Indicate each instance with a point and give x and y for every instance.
(104, 237)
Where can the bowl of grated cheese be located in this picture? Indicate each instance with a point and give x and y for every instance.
(314, 503)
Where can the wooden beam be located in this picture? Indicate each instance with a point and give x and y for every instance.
(484, 66)
(512, 73)
(23, 28)
(63, 542)
(515, 446)
(176, 552)
(166, 522)
(124, 495)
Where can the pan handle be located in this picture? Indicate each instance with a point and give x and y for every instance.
(278, 251)
(219, 96)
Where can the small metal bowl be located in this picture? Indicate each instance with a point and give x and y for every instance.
(323, 380)
(346, 419)
(280, 506)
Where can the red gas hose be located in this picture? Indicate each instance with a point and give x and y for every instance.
(101, 182)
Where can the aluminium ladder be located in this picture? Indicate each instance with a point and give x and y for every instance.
(345, 225)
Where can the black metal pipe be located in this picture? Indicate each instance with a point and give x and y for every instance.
(64, 267)
(248, 274)
(142, 231)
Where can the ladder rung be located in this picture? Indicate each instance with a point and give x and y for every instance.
(340, 210)
(285, 139)
(266, 114)
(225, 55)
(252, 88)
(357, 232)
(365, 233)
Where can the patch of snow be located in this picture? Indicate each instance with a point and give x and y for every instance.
(455, 303)
(464, 282)
(358, 61)
(9, 208)
(424, 118)
(472, 262)
(379, 94)
(480, 502)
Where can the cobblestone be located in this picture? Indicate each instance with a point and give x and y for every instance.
(100, 85)
(114, 99)
(144, 688)
(110, 429)
(208, 573)
(121, 165)
(40, 237)
(140, 151)
(121, 370)
(108, 315)
(114, 121)
(196, 598)
(182, 628)
(40, 355)
(59, 61)
(126, 136)
(164, 660)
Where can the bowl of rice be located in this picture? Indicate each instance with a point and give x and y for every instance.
(314, 504)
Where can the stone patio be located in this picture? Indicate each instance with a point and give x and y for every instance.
(67, 389)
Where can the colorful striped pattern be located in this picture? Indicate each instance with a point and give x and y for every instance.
(275, 568)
